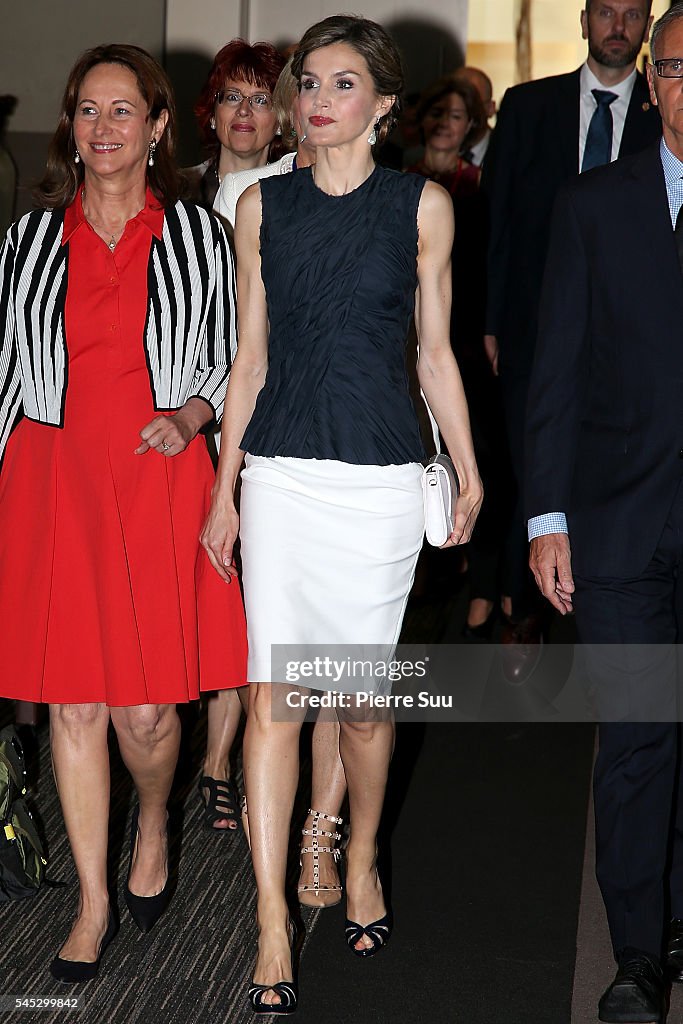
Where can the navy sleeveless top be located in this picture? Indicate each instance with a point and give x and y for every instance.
(340, 274)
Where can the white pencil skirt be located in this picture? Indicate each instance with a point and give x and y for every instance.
(328, 551)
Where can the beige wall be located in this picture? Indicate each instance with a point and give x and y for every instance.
(40, 41)
(203, 25)
(431, 35)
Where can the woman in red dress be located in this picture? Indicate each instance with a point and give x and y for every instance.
(116, 322)
(450, 113)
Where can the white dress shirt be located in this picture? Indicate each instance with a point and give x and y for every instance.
(478, 150)
(618, 107)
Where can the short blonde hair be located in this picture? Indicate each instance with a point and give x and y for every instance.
(285, 92)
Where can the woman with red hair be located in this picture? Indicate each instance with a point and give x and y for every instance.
(235, 114)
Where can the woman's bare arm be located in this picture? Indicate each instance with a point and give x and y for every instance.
(246, 380)
(436, 368)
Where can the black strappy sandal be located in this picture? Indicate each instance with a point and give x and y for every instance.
(288, 991)
(221, 803)
(379, 932)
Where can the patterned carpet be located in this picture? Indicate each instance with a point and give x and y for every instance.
(192, 967)
(491, 911)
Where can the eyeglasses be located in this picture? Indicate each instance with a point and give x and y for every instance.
(670, 67)
(258, 101)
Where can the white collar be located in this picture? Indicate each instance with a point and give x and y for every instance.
(589, 82)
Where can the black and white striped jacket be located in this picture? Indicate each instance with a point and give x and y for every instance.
(190, 330)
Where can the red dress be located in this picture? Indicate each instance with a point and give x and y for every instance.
(105, 593)
(461, 182)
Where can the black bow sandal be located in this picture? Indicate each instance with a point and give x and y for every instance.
(288, 991)
(379, 932)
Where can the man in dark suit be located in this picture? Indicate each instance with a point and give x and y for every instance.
(547, 132)
(605, 463)
(479, 143)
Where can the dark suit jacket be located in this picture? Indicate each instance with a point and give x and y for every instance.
(605, 413)
(534, 149)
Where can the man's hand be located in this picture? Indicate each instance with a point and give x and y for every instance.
(550, 562)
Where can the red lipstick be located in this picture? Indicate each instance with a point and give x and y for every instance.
(320, 122)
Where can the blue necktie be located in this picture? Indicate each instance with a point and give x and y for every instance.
(598, 149)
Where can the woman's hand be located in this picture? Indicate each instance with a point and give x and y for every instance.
(466, 510)
(170, 435)
(218, 538)
(492, 352)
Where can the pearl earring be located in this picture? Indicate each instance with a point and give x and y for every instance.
(152, 151)
(372, 137)
(77, 157)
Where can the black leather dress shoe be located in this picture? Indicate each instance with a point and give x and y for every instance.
(674, 951)
(638, 993)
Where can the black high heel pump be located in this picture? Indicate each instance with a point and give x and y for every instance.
(146, 910)
(73, 971)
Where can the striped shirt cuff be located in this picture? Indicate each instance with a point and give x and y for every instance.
(551, 522)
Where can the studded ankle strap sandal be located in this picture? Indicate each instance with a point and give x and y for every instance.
(318, 891)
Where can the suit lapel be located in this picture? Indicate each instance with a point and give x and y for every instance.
(638, 125)
(567, 109)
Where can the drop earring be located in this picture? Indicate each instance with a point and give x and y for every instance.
(372, 137)
(152, 151)
(77, 157)
(212, 124)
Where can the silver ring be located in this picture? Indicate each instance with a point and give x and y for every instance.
(165, 446)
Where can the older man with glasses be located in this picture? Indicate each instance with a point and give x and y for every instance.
(605, 454)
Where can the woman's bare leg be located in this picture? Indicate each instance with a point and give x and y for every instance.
(224, 713)
(328, 788)
(149, 739)
(366, 749)
(80, 761)
(271, 773)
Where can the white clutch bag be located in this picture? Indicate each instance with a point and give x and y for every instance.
(440, 489)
